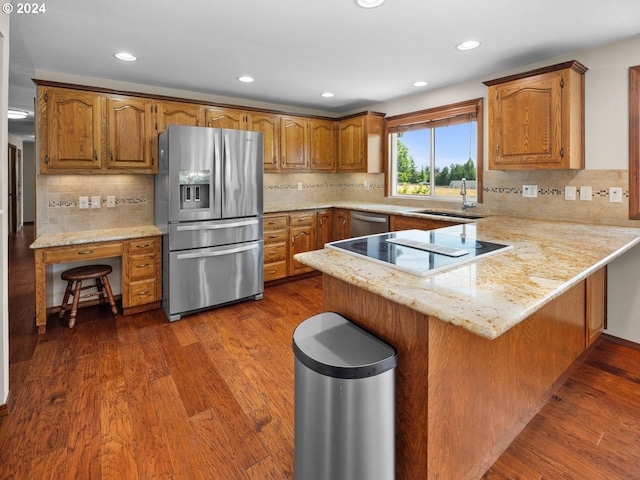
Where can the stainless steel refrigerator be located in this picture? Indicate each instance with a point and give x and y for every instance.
(208, 204)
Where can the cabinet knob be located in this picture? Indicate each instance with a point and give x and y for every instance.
(112, 155)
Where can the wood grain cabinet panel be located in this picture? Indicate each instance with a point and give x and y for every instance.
(179, 113)
(325, 227)
(360, 143)
(269, 125)
(216, 117)
(132, 135)
(400, 222)
(142, 273)
(294, 143)
(341, 224)
(536, 119)
(276, 235)
(323, 145)
(596, 316)
(70, 130)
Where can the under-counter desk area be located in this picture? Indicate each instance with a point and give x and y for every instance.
(139, 247)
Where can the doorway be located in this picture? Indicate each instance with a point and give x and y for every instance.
(15, 160)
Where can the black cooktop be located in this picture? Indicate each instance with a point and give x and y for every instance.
(419, 252)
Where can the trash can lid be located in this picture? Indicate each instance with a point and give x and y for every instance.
(331, 345)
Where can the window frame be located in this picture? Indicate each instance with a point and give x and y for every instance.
(433, 118)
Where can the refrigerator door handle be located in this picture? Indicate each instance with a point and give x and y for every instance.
(218, 253)
(243, 223)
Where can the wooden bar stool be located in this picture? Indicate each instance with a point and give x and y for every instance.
(77, 275)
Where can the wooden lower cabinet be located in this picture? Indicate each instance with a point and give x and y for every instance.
(276, 255)
(325, 226)
(399, 222)
(341, 224)
(302, 238)
(596, 315)
(142, 274)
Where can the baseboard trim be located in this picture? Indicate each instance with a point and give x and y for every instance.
(620, 341)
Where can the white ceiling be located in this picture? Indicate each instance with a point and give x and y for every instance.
(297, 49)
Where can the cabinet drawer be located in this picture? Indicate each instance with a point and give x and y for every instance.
(276, 236)
(142, 266)
(302, 219)
(275, 222)
(275, 253)
(142, 291)
(274, 271)
(143, 246)
(82, 252)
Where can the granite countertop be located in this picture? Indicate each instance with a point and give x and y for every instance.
(90, 236)
(490, 296)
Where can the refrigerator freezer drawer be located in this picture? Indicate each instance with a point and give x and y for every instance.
(213, 233)
(213, 276)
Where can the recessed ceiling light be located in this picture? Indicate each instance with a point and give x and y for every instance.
(127, 57)
(369, 3)
(421, 83)
(327, 94)
(468, 45)
(17, 114)
(246, 79)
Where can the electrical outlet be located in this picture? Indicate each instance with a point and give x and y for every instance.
(570, 193)
(366, 185)
(585, 194)
(95, 201)
(299, 186)
(615, 194)
(83, 202)
(111, 201)
(530, 191)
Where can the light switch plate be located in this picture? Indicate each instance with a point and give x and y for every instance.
(83, 202)
(530, 191)
(585, 194)
(570, 192)
(615, 194)
(300, 186)
(111, 201)
(95, 202)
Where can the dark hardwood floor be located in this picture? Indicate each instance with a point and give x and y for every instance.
(211, 396)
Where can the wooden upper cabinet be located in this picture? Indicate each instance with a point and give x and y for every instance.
(269, 125)
(132, 134)
(294, 143)
(226, 118)
(70, 130)
(536, 119)
(323, 145)
(360, 143)
(179, 113)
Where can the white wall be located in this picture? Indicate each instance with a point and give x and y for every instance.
(4, 310)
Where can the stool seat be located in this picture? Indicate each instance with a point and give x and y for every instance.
(78, 275)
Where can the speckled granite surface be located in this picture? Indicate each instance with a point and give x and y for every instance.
(89, 236)
(490, 296)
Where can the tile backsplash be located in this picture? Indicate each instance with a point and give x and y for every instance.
(58, 209)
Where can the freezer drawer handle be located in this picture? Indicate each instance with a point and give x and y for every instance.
(217, 227)
(366, 218)
(219, 253)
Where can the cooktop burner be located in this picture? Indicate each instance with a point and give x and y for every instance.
(419, 252)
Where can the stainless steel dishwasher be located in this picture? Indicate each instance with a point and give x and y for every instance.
(366, 223)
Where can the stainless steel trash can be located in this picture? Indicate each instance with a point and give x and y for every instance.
(344, 402)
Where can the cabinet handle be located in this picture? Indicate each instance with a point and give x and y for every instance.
(273, 271)
(273, 252)
(497, 150)
(144, 265)
(112, 155)
(95, 155)
(273, 236)
(562, 152)
(143, 246)
(46, 159)
(284, 160)
(275, 160)
(146, 292)
(86, 252)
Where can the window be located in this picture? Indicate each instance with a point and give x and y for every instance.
(432, 150)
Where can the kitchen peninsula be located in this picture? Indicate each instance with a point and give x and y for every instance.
(481, 346)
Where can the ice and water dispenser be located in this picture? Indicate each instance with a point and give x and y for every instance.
(194, 189)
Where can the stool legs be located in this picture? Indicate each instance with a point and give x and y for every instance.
(65, 299)
(107, 287)
(74, 307)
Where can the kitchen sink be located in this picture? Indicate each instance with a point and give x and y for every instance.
(448, 214)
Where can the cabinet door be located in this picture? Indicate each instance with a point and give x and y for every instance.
(71, 130)
(178, 113)
(269, 125)
(526, 123)
(132, 134)
(294, 143)
(325, 227)
(323, 145)
(341, 224)
(596, 305)
(303, 239)
(226, 118)
(351, 145)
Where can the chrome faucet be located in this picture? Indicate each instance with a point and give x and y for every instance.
(463, 192)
